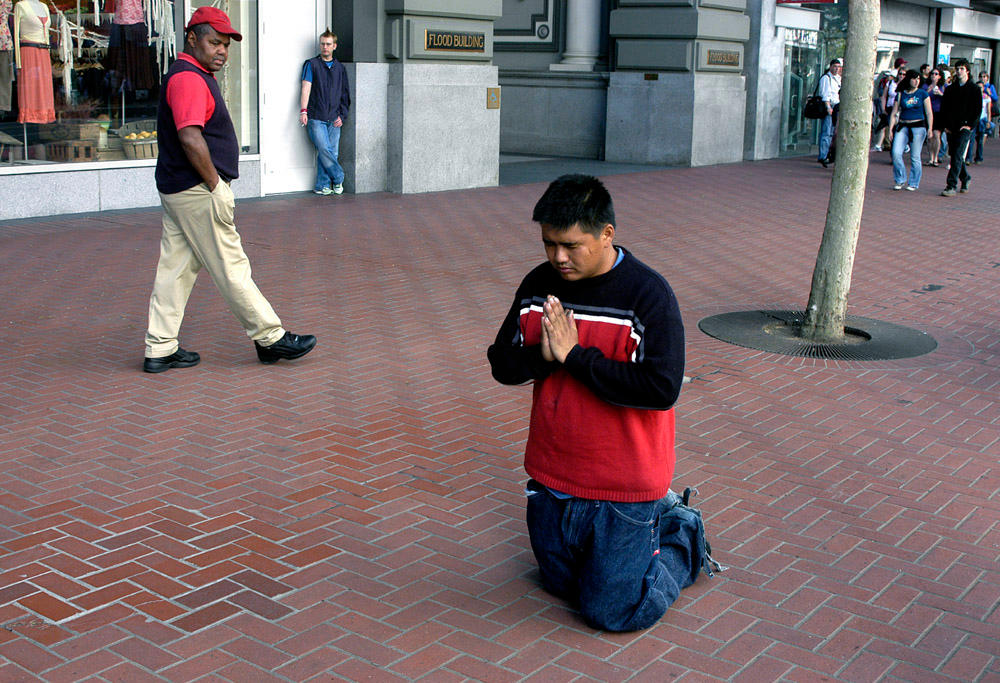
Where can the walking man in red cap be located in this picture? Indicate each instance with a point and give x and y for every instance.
(198, 159)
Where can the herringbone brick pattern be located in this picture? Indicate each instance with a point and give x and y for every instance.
(358, 515)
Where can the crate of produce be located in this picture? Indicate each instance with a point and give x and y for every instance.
(136, 127)
(139, 139)
(71, 150)
(141, 148)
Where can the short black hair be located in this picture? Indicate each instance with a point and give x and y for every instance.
(962, 62)
(575, 199)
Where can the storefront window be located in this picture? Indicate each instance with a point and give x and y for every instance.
(83, 79)
(802, 69)
(807, 54)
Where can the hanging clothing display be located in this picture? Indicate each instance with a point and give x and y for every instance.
(35, 100)
(6, 56)
(129, 12)
(130, 62)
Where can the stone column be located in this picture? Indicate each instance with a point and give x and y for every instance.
(442, 116)
(583, 36)
(678, 93)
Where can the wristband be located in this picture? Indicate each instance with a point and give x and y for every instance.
(303, 111)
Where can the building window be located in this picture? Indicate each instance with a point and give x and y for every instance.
(84, 77)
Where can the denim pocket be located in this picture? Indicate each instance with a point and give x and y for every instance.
(639, 514)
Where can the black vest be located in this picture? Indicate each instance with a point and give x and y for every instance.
(174, 173)
(325, 95)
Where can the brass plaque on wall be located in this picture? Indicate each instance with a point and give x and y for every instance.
(723, 58)
(492, 98)
(718, 55)
(454, 41)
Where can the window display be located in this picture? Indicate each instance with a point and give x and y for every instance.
(80, 79)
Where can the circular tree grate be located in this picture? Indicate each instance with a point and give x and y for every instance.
(777, 332)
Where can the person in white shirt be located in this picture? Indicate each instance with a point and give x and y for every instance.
(829, 91)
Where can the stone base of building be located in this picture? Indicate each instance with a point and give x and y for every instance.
(653, 121)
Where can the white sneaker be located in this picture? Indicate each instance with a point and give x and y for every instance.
(911, 188)
(324, 191)
(338, 189)
(898, 186)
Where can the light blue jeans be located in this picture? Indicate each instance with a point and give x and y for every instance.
(825, 136)
(326, 137)
(914, 137)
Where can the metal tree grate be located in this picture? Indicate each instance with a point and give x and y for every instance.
(777, 332)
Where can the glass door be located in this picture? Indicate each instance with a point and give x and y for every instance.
(803, 67)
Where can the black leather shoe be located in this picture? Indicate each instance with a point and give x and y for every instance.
(178, 359)
(289, 347)
(825, 162)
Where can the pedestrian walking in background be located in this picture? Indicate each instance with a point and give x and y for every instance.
(829, 92)
(600, 335)
(961, 107)
(935, 91)
(945, 82)
(889, 96)
(983, 127)
(984, 78)
(880, 115)
(911, 118)
(324, 101)
(198, 159)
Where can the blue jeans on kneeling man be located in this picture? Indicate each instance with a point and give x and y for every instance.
(622, 564)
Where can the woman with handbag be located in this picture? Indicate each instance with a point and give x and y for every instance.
(911, 118)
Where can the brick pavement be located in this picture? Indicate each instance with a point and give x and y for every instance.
(358, 514)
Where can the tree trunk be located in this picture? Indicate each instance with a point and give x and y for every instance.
(827, 309)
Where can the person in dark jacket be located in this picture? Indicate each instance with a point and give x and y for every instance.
(325, 99)
(961, 107)
(198, 158)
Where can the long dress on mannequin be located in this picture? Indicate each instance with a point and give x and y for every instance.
(35, 98)
(130, 60)
(6, 56)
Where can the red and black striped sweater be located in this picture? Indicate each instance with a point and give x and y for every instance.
(602, 424)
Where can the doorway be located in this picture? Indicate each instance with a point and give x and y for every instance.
(803, 67)
(289, 31)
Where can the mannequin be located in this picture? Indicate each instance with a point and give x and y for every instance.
(129, 56)
(6, 56)
(31, 55)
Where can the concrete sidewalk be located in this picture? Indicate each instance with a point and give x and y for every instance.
(358, 514)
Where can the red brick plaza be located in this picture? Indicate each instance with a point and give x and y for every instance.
(358, 514)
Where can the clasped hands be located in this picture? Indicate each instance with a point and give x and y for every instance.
(559, 334)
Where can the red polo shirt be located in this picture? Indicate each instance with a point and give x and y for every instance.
(189, 97)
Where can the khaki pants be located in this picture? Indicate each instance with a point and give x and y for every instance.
(198, 231)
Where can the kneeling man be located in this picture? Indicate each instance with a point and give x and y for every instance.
(600, 335)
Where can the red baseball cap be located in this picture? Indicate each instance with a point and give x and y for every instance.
(217, 19)
(899, 62)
